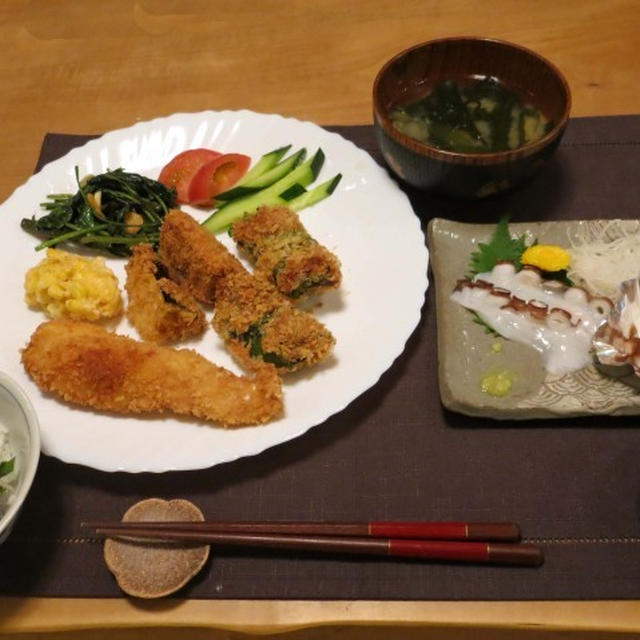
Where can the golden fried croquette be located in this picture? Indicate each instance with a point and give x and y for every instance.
(161, 310)
(253, 318)
(89, 366)
(284, 253)
(193, 255)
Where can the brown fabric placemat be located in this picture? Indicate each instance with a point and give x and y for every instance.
(573, 485)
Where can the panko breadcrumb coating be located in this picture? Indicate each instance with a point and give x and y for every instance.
(193, 256)
(257, 322)
(161, 310)
(65, 285)
(89, 366)
(253, 318)
(284, 253)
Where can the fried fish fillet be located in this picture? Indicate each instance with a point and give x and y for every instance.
(284, 252)
(161, 310)
(251, 316)
(89, 366)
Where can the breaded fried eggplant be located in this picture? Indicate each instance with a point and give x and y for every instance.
(285, 254)
(161, 310)
(193, 256)
(253, 318)
(89, 366)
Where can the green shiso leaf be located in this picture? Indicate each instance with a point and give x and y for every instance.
(501, 247)
(560, 276)
(488, 329)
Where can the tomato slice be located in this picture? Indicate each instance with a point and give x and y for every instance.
(217, 176)
(179, 171)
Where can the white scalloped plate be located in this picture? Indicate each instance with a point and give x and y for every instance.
(368, 222)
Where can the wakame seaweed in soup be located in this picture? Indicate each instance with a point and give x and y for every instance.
(480, 117)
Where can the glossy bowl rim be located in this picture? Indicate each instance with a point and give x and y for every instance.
(496, 157)
(33, 457)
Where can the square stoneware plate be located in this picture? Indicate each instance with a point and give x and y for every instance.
(466, 353)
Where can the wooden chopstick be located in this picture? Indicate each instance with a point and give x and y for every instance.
(469, 531)
(459, 551)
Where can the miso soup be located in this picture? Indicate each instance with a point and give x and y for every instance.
(480, 117)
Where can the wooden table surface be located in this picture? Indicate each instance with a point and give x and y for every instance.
(89, 67)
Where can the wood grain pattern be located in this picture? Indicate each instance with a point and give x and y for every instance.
(87, 67)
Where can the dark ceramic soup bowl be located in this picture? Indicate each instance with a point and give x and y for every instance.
(415, 72)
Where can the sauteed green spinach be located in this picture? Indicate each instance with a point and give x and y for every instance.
(110, 212)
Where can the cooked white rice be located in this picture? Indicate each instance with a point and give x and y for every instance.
(7, 482)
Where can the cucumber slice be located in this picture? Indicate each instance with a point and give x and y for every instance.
(315, 195)
(266, 162)
(293, 192)
(303, 174)
(245, 187)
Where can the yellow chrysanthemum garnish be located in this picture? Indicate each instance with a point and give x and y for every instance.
(547, 257)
